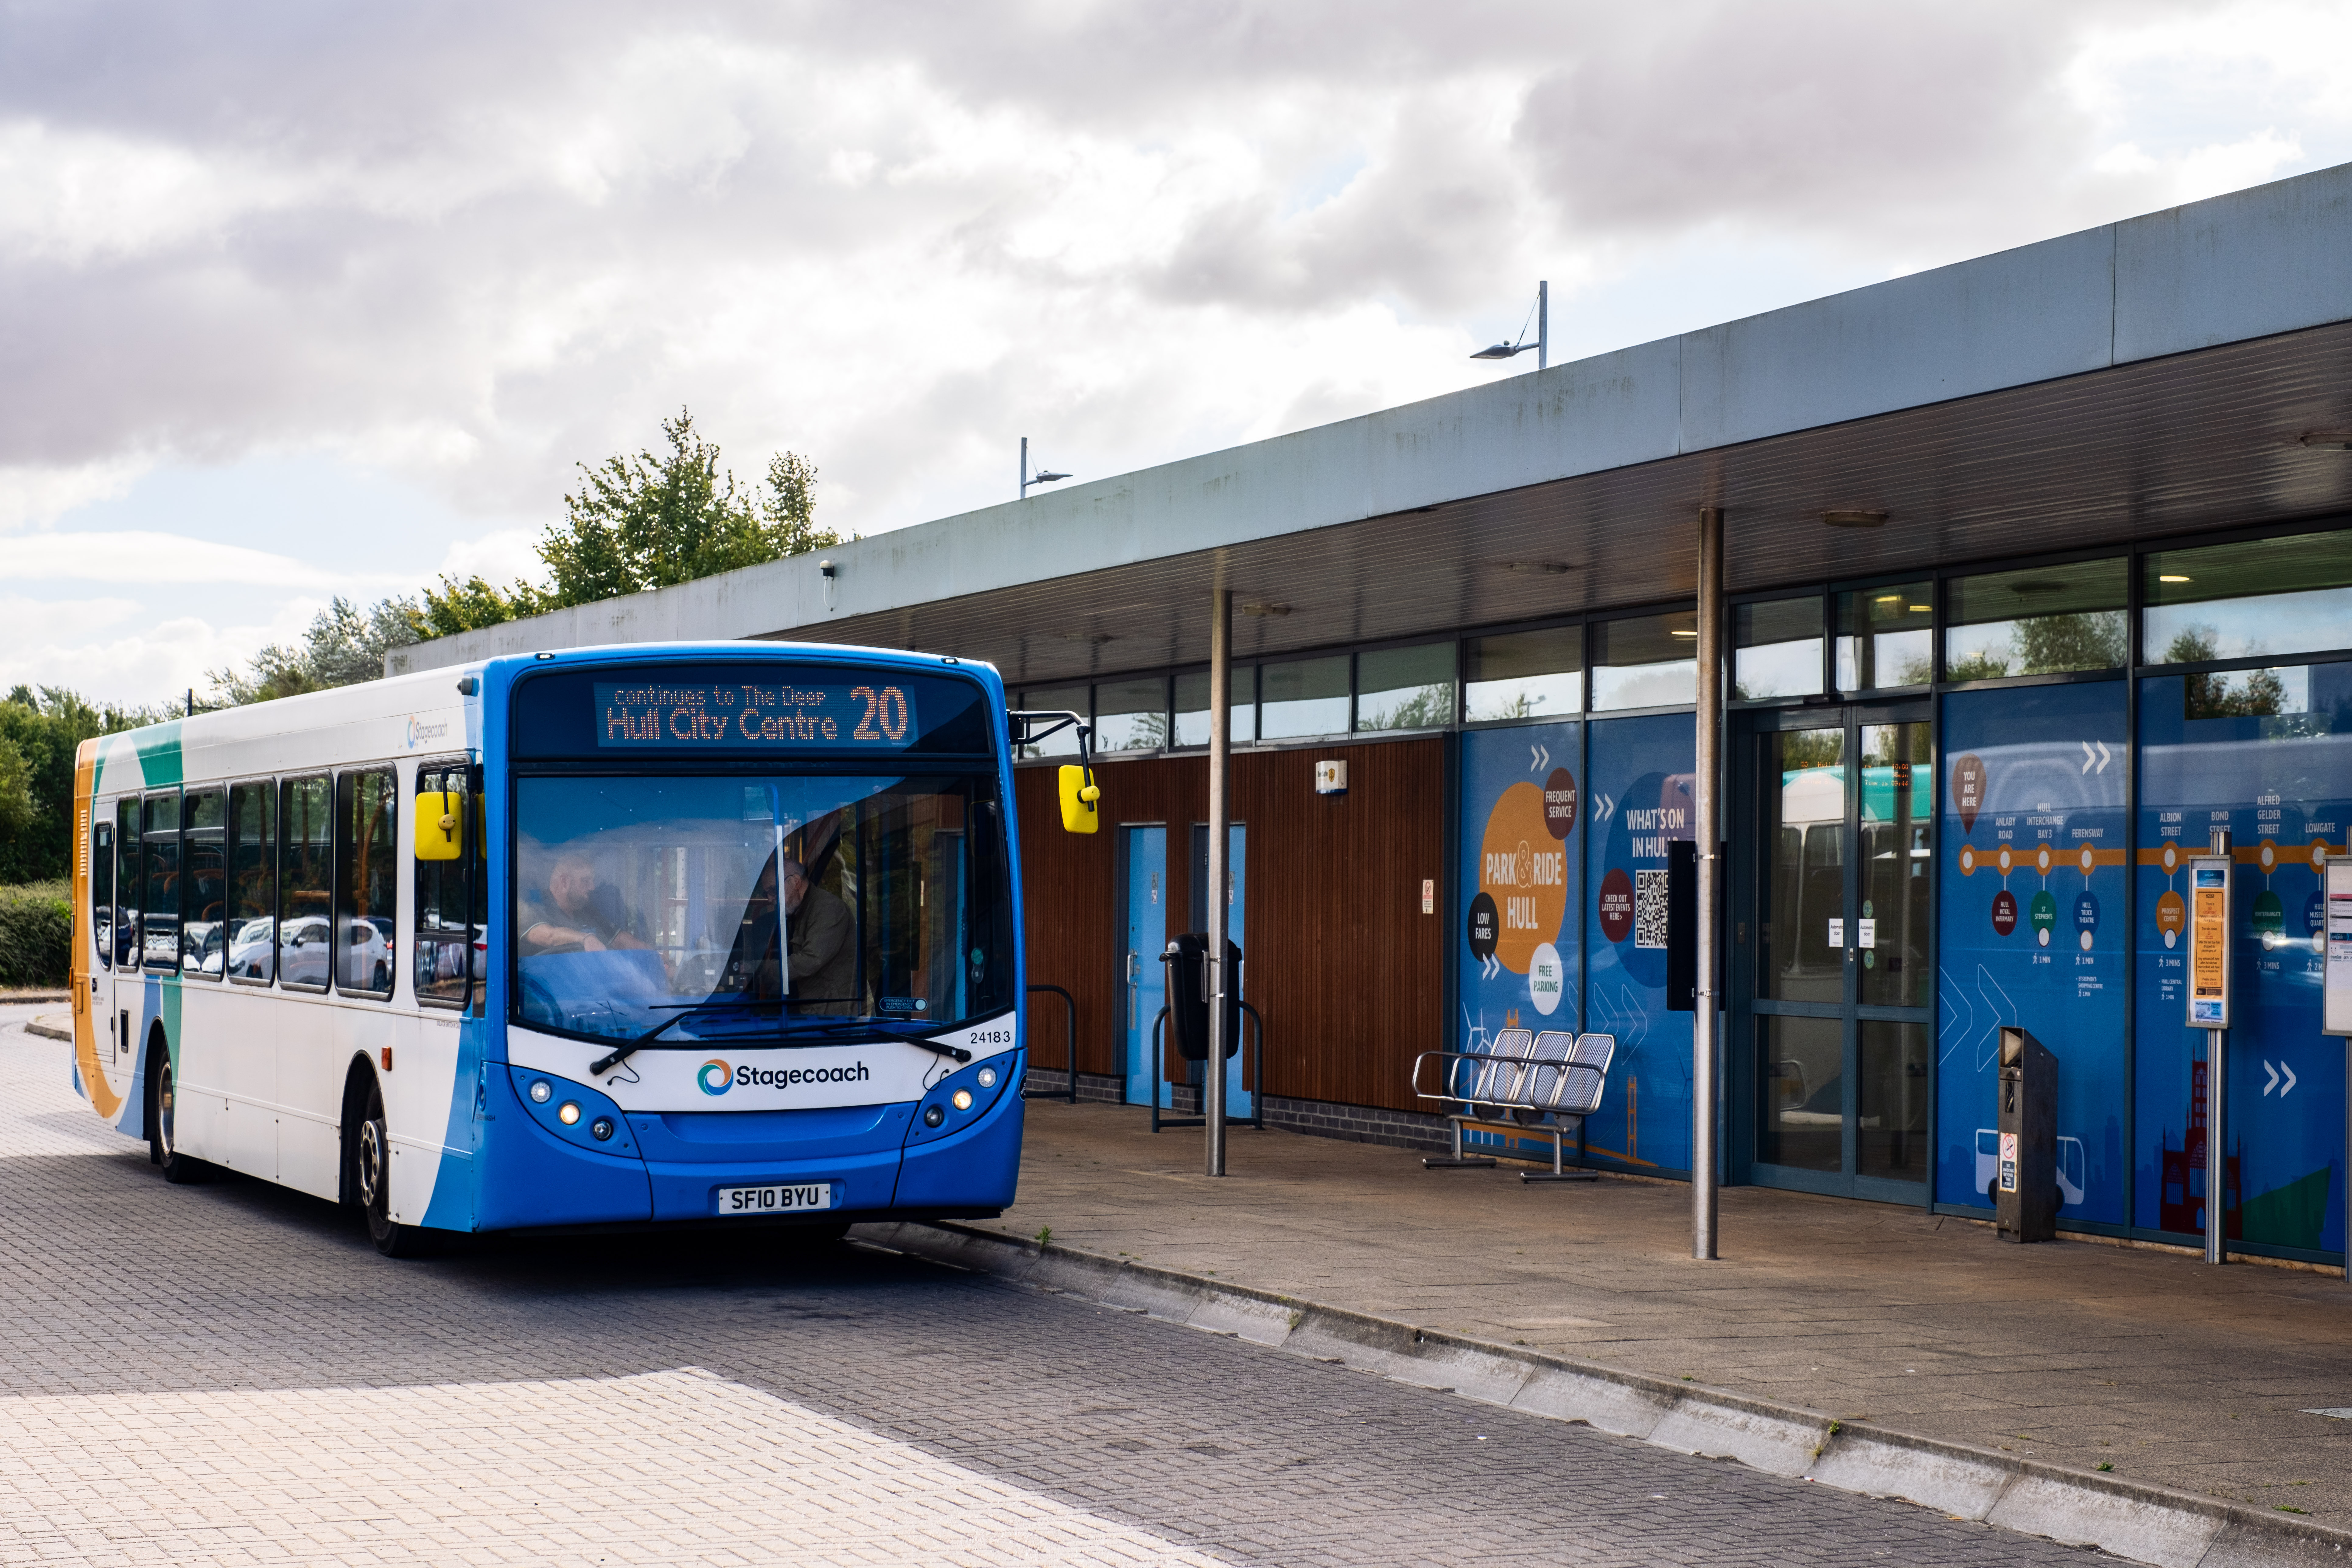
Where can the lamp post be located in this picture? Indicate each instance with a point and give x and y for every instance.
(1542, 345)
(1040, 477)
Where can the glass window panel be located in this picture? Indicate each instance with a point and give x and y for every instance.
(1648, 662)
(1192, 706)
(444, 945)
(1800, 777)
(102, 891)
(306, 878)
(1885, 638)
(1305, 696)
(1897, 847)
(2240, 601)
(203, 886)
(1777, 648)
(159, 926)
(127, 943)
(1056, 699)
(252, 882)
(1131, 715)
(1406, 688)
(2037, 621)
(1524, 675)
(1801, 1110)
(1891, 1135)
(365, 840)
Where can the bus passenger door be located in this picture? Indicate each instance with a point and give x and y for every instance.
(1143, 979)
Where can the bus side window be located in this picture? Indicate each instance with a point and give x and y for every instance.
(101, 891)
(204, 886)
(126, 883)
(253, 883)
(160, 900)
(366, 880)
(443, 936)
(305, 882)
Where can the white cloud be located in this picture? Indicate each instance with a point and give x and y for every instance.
(133, 556)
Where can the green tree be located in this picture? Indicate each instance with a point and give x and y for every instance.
(646, 521)
(343, 645)
(457, 606)
(41, 732)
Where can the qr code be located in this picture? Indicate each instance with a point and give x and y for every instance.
(1649, 908)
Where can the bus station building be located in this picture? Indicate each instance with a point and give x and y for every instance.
(2039, 570)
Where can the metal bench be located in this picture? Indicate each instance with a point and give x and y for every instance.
(1519, 1077)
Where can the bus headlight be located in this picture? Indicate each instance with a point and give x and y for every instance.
(568, 1112)
(541, 1090)
(987, 1077)
(963, 1100)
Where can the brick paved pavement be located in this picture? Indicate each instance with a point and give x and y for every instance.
(228, 1374)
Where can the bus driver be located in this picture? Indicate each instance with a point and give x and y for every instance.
(577, 914)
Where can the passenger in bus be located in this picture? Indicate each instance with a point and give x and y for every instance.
(577, 913)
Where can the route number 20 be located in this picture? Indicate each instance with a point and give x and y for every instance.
(886, 708)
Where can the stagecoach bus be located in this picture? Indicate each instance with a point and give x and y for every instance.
(686, 933)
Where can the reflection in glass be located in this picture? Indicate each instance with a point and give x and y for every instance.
(160, 903)
(2036, 622)
(127, 943)
(306, 873)
(1891, 1137)
(1406, 688)
(1897, 818)
(641, 901)
(1777, 648)
(1305, 696)
(1131, 715)
(252, 882)
(365, 886)
(1885, 638)
(1524, 675)
(1192, 706)
(1801, 778)
(203, 886)
(1056, 699)
(1649, 662)
(2239, 601)
(448, 896)
(102, 891)
(1800, 1099)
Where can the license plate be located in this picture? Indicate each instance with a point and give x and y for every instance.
(775, 1200)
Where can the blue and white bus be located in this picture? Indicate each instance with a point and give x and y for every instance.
(686, 933)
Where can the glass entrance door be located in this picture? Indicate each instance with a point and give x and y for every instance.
(1836, 950)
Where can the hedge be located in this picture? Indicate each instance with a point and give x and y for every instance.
(36, 935)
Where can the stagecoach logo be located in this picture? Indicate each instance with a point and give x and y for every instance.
(421, 734)
(715, 1077)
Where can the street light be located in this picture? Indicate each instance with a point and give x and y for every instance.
(1041, 476)
(1542, 345)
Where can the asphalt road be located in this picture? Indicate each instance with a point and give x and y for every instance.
(230, 1374)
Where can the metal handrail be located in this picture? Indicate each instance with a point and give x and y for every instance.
(1251, 1080)
(1071, 1003)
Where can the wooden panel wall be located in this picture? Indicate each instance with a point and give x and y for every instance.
(1347, 972)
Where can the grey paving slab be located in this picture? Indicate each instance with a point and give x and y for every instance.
(227, 1373)
(1819, 1303)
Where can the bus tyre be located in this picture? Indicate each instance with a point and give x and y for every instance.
(163, 1123)
(371, 1178)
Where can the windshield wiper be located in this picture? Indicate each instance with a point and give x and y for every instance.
(805, 1027)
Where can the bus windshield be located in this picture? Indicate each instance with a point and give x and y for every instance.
(757, 906)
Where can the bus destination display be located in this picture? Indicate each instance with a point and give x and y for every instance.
(666, 716)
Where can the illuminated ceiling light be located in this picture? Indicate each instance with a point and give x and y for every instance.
(1854, 519)
(1890, 598)
(1680, 634)
(1920, 609)
(2172, 577)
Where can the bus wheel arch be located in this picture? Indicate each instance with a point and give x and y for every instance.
(359, 1084)
(163, 1112)
(367, 1164)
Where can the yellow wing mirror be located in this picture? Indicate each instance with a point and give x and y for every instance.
(1081, 799)
(440, 826)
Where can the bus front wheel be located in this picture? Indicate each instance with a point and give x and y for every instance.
(163, 1122)
(372, 1174)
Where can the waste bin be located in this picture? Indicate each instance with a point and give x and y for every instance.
(1188, 994)
(2025, 1183)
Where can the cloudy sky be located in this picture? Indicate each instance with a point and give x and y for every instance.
(299, 299)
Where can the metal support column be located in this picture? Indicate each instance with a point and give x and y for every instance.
(1221, 756)
(1709, 830)
(2217, 1150)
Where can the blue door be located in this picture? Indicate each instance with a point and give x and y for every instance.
(1237, 1098)
(1143, 979)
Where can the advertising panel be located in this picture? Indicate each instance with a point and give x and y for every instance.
(1640, 800)
(2266, 754)
(2031, 930)
(1522, 836)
